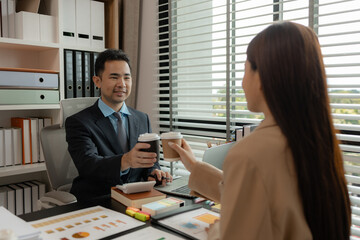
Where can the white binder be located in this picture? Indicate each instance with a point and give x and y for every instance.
(17, 145)
(2, 148)
(97, 22)
(82, 23)
(9, 159)
(19, 199)
(69, 23)
(11, 17)
(26, 197)
(3, 196)
(4, 18)
(41, 188)
(10, 199)
(34, 196)
(34, 130)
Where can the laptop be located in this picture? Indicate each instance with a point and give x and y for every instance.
(214, 156)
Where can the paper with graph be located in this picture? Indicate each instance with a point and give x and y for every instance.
(192, 223)
(90, 223)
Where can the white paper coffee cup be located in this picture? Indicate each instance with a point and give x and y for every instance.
(170, 154)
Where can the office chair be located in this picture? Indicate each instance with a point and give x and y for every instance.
(60, 167)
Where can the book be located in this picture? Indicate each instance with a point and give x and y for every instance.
(34, 196)
(8, 147)
(136, 199)
(3, 196)
(26, 197)
(24, 124)
(17, 145)
(41, 151)
(163, 205)
(34, 136)
(41, 188)
(2, 148)
(10, 199)
(19, 199)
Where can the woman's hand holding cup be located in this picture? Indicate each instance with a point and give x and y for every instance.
(186, 155)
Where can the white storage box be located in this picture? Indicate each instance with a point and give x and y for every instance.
(27, 26)
(47, 28)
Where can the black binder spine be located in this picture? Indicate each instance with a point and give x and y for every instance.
(78, 81)
(86, 74)
(69, 74)
(95, 91)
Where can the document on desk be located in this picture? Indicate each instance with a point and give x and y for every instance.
(149, 233)
(191, 223)
(90, 223)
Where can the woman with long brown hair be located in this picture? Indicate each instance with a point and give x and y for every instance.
(286, 179)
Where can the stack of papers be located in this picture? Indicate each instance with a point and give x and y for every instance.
(11, 224)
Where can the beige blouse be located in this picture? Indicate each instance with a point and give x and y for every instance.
(257, 189)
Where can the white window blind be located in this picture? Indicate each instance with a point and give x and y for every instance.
(202, 51)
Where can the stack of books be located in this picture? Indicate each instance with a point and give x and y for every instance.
(136, 199)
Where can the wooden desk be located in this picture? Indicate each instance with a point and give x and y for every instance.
(105, 201)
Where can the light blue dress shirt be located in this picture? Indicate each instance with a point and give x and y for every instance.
(109, 112)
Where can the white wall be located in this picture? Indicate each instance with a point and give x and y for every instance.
(147, 62)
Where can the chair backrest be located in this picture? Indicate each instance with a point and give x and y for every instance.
(71, 106)
(60, 167)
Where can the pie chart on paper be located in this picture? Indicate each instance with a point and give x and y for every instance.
(81, 235)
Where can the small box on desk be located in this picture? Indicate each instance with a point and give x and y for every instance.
(136, 199)
(163, 205)
(27, 26)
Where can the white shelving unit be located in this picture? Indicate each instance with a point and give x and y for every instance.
(22, 169)
(17, 53)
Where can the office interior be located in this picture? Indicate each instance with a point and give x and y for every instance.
(345, 85)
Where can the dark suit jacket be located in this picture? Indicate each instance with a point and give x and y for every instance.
(95, 150)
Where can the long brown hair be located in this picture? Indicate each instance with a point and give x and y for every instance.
(289, 61)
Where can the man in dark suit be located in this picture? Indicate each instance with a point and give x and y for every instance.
(102, 139)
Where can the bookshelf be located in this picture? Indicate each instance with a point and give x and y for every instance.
(18, 53)
(22, 169)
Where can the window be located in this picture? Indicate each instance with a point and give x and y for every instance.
(202, 51)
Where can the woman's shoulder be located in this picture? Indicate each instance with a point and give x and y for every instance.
(265, 147)
(263, 138)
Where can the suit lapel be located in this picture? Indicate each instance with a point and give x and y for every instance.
(108, 130)
(133, 130)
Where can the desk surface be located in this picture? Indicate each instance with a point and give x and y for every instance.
(105, 201)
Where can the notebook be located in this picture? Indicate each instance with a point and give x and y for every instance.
(214, 156)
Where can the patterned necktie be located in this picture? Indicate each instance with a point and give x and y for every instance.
(122, 134)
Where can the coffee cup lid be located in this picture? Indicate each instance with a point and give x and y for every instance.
(171, 135)
(148, 137)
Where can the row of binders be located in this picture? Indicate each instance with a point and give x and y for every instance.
(79, 69)
(20, 19)
(21, 198)
(28, 86)
(21, 143)
(77, 14)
